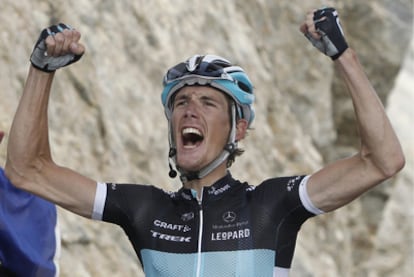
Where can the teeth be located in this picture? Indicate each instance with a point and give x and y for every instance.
(191, 131)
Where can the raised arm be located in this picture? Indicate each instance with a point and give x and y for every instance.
(29, 164)
(380, 155)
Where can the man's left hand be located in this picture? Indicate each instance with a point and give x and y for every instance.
(323, 29)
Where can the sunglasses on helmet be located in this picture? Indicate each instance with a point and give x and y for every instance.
(205, 70)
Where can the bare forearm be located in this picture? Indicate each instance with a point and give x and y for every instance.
(379, 142)
(29, 162)
(28, 144)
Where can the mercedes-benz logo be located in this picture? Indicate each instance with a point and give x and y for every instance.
(229, 216)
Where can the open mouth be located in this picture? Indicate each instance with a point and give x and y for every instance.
(191, 137)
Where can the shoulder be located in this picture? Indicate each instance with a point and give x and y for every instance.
(143, 192)
(285, 191)
(285, 183)
(120, 202)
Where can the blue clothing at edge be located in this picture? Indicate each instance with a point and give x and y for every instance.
(29, 238)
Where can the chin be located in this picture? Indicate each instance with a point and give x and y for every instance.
(188, 167)
(189, 164)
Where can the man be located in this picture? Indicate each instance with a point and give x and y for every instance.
(215, 225)
(29, 237)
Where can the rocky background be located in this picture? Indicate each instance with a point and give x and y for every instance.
(107, 122)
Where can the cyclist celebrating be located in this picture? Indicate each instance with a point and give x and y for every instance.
(214, 225)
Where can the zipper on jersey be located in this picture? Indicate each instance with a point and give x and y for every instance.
(200, 232)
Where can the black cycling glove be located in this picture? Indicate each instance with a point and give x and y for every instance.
(332, 42)
(39, 57)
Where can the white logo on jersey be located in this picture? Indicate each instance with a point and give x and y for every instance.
(187, 216)
(168, 237)
(229, 216)
(170, 226)
(215, 191)
(292, 183)
(230, 235)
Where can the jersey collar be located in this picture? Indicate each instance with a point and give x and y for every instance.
(213, 192)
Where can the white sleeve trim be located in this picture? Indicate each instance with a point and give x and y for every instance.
(304, 197)
(280, 272)
(100, 198)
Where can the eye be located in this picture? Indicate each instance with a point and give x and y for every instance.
(180, 102)
(210, 103)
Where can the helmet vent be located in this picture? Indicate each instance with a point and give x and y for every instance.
(244, 87)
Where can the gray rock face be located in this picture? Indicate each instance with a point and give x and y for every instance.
(107, 122)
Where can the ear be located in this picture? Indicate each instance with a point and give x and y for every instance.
(241, 129)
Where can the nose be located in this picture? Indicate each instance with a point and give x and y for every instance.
(191, 109)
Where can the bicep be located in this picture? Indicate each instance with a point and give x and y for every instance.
(66, 188)
(342, 181)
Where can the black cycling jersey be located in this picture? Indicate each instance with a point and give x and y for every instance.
(232, 229)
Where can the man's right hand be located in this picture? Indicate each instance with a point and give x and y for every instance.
(57, 46)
